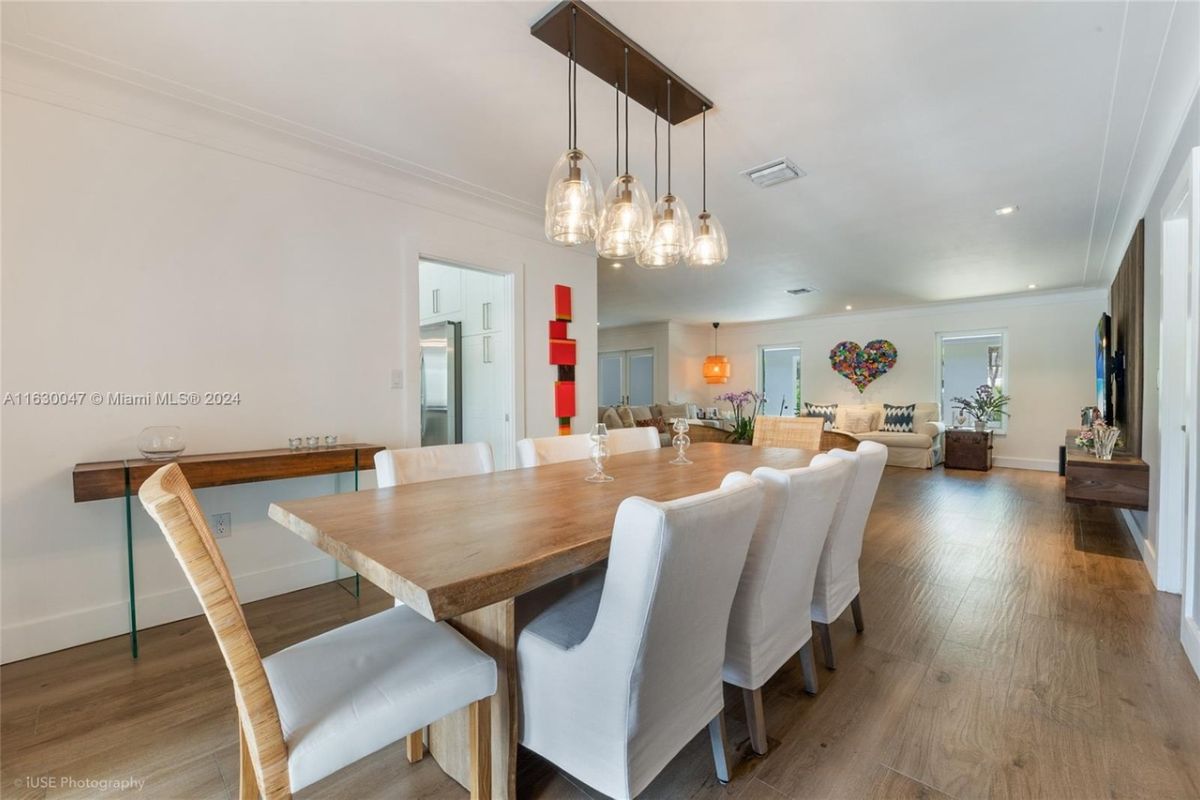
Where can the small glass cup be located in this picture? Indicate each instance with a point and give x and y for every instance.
(330, 440)
(295, 442)
(313, 442)
(681, 442)
(599, 438)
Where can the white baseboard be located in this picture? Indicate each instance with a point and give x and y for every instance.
(1144, 546)
(1190, 636)
(48, 634)
(1040, 464)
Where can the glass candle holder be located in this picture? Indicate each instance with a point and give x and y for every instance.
(331, 441)
(312, 442)
(681, 442)
(599, 453)
(160, 442)
(295, 442)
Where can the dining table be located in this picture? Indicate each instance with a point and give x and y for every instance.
(465, 549)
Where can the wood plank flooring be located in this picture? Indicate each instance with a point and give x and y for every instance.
(1014, 648)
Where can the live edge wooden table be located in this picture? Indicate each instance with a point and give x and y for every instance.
(107, 480)
(463, 549)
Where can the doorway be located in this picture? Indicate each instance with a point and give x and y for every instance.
(626, 378)
(1177, 529)
(467, 358)
(779, 379)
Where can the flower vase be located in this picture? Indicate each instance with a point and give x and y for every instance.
(1106, 441)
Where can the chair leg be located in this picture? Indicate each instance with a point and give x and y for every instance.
(481, 749)
(716, 734)
(756, 720)
(809, 665)
(856, 610)
(248, 784)
(826, 644)
(416, 745)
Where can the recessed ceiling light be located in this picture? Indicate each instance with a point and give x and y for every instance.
(849, 308)
(1033, 286)
(1005, 211)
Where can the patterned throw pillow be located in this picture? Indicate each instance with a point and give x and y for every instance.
(658, 423)
(898, 419)
(826, 410)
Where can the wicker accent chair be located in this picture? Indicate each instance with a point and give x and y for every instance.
(317, 706)
(803, 433)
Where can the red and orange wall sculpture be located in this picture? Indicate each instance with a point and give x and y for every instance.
(562, 355)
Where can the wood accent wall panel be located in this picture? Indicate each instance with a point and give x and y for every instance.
(1126, 301)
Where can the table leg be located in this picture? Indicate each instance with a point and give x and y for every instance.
(133, 633)
(492, 630)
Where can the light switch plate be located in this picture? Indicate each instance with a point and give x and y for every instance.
(397, 379)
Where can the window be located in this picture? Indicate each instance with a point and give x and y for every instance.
(779, 379)
(966, 361)
(627, 378)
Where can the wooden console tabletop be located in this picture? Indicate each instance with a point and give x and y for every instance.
(104, 480)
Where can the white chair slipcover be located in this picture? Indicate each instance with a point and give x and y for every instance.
(622, 671)
(576, 447)
(837, 585)
(765, 626)
(419, 464)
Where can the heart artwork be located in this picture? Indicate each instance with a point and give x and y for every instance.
(861, 365)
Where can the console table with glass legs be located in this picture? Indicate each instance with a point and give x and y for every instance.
(107, 480)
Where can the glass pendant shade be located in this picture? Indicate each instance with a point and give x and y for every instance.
(710, 248)
(627, 220)
(573, 200)
(716, 369)
(671, 238)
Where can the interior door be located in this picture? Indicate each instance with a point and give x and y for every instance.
(626, 377)
(612, 380)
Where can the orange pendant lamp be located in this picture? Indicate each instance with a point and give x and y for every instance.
(716, 367)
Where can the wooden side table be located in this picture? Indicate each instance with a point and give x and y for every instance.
(968, 449)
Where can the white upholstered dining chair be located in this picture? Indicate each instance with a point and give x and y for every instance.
(837, 574)
(765, 629)
(317, 706)
(619, 672)
(553, 449)
(420, 464)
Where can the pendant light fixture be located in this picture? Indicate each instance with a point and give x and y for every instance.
(628, 214)
(716, 367)
(671, 238)
(573, 192)
(710, 247)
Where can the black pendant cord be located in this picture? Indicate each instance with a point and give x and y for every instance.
(617, 139)
(656, 155)
(668, 135)
(704, 159)
(574, 83)
(570, 106)
(626, 110)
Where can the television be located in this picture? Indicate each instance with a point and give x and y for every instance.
(1110, 373)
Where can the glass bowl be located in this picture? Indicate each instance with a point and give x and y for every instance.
(160, 442)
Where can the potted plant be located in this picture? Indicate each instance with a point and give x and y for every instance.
(986, 405)
(746, 406)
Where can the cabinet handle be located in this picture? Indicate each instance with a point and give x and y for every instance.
(487, 349)
(437, 301)
(487, 316)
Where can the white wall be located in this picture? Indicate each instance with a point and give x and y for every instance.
(1050, 360)
(149, 244)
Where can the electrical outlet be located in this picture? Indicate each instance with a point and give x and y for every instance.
(222, 525)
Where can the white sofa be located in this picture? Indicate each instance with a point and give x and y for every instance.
(920, 449)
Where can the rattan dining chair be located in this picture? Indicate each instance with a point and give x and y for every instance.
(799, 432)
(318, 706)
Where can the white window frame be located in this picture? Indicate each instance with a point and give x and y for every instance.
(1000, 428)
(758, 371)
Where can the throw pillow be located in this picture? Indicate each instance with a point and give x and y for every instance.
(826, 410)
(612, 419)
(657, 423)
(858, 420)
(898, 419)
(626, 415)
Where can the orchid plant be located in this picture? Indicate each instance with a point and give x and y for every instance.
(746, 406)
(986, 405)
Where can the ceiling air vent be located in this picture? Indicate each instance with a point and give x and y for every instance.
(773, 172)
(802, 290)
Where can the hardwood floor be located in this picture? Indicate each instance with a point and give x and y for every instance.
(1014, 648)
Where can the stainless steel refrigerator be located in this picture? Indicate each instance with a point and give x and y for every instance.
(441, 383)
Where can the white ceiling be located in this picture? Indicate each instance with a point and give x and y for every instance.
(914, 121)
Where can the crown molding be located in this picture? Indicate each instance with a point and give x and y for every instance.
(148, 103)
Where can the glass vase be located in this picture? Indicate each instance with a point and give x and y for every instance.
(1106, 442)
(599, 454)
